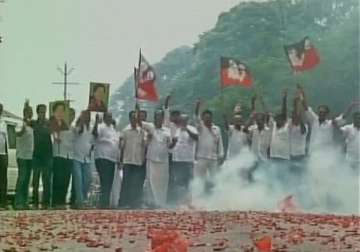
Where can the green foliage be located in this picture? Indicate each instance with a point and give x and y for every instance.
(256, 33)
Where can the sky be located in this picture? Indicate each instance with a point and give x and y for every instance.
(100, 39)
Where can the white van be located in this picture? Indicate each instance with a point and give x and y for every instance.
(12, 121)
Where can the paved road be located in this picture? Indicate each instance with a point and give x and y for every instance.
(95, 230)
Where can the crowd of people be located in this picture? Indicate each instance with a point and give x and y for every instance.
(159, 159)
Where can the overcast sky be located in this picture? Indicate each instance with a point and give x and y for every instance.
(99, 38)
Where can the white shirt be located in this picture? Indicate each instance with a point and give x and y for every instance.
(238, 139)
(260, 141)
(352, 141)
(184, 150)
(321, 134)
(65, 148)
(297, 141)
(167, 123)
(82, 144)
(25, 144)
(210, 144)
(158, 148)
(107, 143)
(133, 144)
(3, 137)
(280, 142)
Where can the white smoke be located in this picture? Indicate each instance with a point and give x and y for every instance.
(328, 185)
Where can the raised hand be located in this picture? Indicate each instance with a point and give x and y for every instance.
(167, 100)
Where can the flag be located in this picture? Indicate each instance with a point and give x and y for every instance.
(302, 55)
(234, 72)
(145, 81)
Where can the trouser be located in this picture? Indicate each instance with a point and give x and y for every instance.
(3, 179)
(22, 183)
(43, 167)
(81, 181)
(61, 179)
(105, 169)
(205, 171)
(181, 174)
(131, 193)
(206, 168)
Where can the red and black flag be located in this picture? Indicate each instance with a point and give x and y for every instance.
(234, 72)
(145, 80)
(302, 55)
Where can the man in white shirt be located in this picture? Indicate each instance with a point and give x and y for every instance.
(106, 155)
(132, 144)
(180, 161)
(298, 141)
(24, 155)
(81, 171)
(210, 149)
(183, 157)
(63, 144)
(3, 161)
(260, 136)
(157, 158)
(351, 133)
(322, 128)
(238, 139)
(280, 135)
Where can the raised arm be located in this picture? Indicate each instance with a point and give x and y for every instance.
(340, 120)
(298, 114)
(261, 99)
(22, 131)
(302, 97)
(284, 104)
(193, 135)
(95, 129)
(197, 108)
(226, 123)
(253, 103)
(349, 108)
(167, 111)
(167, 101)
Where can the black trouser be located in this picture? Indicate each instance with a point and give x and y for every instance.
(61, 178)
(131, 193)
(22, 182)
(42, 166)
(180, 176)
(3, 179)
(105, 169)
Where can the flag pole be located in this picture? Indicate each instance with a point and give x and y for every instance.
(221, 91)
(136, 82)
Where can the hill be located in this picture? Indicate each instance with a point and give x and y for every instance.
(255, 33)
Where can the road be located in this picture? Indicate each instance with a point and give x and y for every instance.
(110, 230)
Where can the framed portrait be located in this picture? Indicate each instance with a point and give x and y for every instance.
(98, 96)
(60, 111)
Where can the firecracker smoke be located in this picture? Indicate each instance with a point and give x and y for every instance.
(324, 184)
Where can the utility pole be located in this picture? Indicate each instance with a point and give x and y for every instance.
(65, 72)
(1, 38)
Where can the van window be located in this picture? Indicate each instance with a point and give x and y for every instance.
(11, 136)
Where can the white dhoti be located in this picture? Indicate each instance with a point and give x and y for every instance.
(157, 176)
